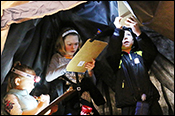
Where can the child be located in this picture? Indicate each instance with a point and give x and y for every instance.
(132, 57)
(18, 100)
(67, 45)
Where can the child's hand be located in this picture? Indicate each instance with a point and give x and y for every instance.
(44, 100)
(117, 22)
(133, 25)
(90, 65)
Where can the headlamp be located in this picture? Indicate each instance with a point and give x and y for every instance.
(35, 78)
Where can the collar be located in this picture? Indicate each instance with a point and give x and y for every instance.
(21, 92)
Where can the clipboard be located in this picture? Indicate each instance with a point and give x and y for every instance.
(56, 101)
(89, 51)
(126, 12)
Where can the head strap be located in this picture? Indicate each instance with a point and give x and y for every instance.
(35, 78)
(69, 31)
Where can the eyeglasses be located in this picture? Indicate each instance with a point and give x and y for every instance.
(34, 77)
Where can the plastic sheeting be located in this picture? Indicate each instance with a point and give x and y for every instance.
(20, 11)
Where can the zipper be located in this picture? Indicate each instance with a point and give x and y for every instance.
(123, 84)
(130, 56)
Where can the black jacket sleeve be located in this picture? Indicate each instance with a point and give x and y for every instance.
(149, 49)
(114, 49)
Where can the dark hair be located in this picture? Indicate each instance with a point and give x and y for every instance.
(12, 76)
(59, 46)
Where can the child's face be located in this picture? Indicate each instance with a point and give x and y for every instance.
(127, 41)
(26, 83)
(71, 44)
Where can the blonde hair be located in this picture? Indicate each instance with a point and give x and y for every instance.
(60, 46)
(12, 76)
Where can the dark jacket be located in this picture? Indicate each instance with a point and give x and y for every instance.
(128, 89)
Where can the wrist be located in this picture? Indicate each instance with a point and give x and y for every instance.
(119, 26)
(90, 72)
(138, 33)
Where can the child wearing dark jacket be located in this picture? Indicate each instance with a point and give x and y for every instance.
(130, 55)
